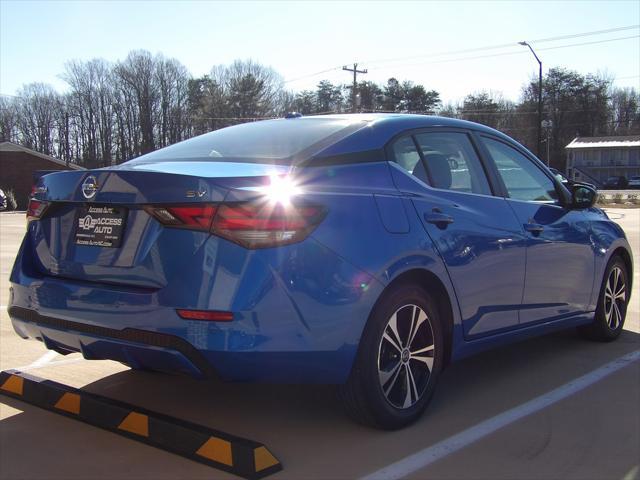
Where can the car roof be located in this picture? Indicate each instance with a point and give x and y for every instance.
(379, 128)
(402, 121)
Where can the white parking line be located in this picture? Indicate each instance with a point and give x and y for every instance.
(46, 359)
(429, 455)
(33, 365)
(43, 360)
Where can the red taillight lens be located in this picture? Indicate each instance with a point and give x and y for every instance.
(252, 225)
(261, 225)
(197, 217)
(206, 315)
(36, 209)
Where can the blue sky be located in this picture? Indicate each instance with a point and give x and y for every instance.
(301, 38)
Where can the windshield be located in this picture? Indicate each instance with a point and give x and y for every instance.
(271, 141)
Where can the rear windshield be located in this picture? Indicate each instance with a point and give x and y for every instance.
(280, 141)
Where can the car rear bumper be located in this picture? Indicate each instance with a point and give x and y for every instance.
(172, 354)
(136, 348)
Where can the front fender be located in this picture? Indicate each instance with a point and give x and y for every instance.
(607, 237)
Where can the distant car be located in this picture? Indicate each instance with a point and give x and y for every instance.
(3, 201)
(615, 183)
(634, 182)
(560, 176)
(366, 251)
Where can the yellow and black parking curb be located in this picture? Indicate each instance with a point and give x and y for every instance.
(236, 455)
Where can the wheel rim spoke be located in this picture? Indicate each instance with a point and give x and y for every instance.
(417, 319)
(419, 356)
(385, 375)
(394, 379)
(608, 293)
(392, 342)
(616, 316)
(393, 326)
(428, 361)
(422, 350)
(412, 390)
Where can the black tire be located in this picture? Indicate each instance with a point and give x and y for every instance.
(362, 395)
(610, 315)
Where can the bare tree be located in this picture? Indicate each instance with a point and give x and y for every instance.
(173, 89)
(90, 107)
(625, 111)
(8, 119)
(36, 114)
(137, 73)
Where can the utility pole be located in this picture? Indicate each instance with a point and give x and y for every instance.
(355, 71)
(525, 44)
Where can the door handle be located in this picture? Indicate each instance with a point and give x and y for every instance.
(534, 228)
(438, 218)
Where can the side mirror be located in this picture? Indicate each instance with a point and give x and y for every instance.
(583, 196)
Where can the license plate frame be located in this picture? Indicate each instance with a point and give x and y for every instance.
(100, 225)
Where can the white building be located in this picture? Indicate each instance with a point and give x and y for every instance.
(594, 159)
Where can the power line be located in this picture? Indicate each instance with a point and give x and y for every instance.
(503, 54)
(477, 49)
(312, 74)
(608, 122)
(507, 113)
(505, 45)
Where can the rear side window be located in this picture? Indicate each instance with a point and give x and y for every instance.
(522, 178)
(271, 141)
(407, 156)
(452, 162)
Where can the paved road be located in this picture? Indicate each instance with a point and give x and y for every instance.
(592, 433)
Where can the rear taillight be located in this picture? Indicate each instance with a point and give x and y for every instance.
(36, 209)
(195, 216)
(261, 225)
(250, 224)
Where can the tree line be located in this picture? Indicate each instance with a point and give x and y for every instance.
(112, 112)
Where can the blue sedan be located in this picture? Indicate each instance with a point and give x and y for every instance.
(367, 251)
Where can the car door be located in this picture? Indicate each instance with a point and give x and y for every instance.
(476, 233)
(560, 257)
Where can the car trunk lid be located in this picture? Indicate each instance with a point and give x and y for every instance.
(97, 227)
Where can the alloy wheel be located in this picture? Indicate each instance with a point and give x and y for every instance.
(615, 296)
(405, 356)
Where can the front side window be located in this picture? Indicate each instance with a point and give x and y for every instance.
(522, 178)
(452, 163)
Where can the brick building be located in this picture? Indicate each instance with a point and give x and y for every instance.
(17, 166)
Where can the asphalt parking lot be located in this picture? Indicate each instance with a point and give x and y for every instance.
(592, 433)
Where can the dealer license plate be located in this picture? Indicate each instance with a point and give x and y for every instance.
(101, 226)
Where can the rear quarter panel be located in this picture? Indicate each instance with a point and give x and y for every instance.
(356, 230)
